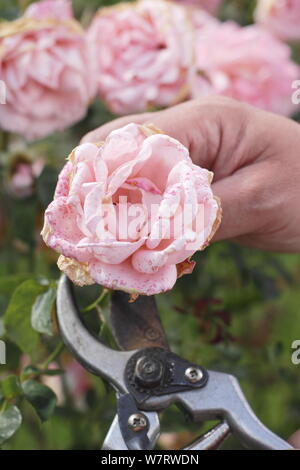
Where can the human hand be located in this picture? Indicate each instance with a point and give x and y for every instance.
(255, 156)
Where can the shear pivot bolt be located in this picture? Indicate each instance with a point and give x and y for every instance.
(193, 374)
(149, 372)
(137, 422)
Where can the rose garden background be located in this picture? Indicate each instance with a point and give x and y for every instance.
(238, 312)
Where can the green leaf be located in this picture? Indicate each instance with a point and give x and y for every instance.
(11, 387)
(41, 397)
(9, 283)
(10, 420)
(7, 286)
(12, 357)
(17, 318)
(31, 371)
(41, 312)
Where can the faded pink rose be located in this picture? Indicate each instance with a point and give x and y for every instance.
(211, 6)
(143, 53)
(117, 214)
(58, 9)
(46, 67)
(245, 63)
(281, 17)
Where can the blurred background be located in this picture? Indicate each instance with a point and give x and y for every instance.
(238, 312)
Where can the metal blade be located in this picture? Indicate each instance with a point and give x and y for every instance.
(212, 439)
(136, 325)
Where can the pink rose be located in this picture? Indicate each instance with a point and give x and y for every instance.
(211, 6)
(59, 9)
(143, 52)
(245, 63)
(130, 212)
(45, 64)
(281, 17)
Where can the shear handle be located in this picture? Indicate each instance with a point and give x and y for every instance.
(222, 398)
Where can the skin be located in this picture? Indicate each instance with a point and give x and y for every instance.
(255, 157)
(294, 440)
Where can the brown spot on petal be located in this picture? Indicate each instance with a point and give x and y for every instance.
(133, 298)
(77, 272)
(185, 267)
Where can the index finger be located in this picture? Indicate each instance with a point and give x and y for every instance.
(100, 133)
(177, 121)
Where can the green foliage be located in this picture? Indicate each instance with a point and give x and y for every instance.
(10, 421)
(41, 397)
(17, 318)
(238, 312)
(41, 312)
(10, 387)
(33, 371)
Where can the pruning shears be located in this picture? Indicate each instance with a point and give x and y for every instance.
(148, 377)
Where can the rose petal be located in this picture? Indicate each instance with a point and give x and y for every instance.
(124, 277)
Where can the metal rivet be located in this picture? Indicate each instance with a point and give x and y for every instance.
(149, 371)
(137, 422)
(193, 374)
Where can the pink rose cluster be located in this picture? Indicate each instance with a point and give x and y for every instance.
(155, 53)
(211, 6)
(144, 53)
(130, 212)
(248, 64)
(47, 70)
(281, 17)
(140, 56)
